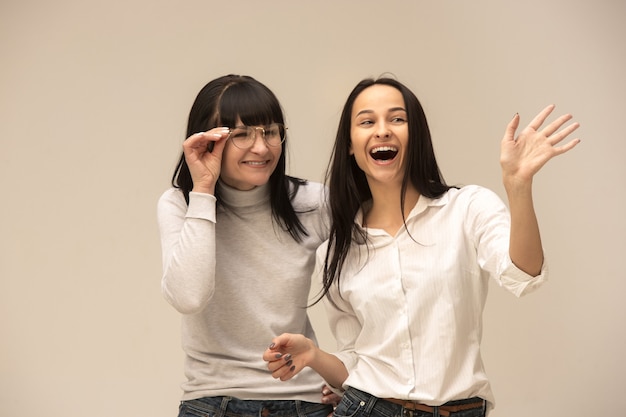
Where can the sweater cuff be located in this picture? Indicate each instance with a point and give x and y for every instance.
(201, 206)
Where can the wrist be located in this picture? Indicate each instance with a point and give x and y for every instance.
(204, 189)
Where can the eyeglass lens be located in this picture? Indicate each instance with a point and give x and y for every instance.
(244, 136)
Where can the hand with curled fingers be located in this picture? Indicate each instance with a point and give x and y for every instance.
(523, 156)
(329, 397)
(203, 154)
(288, 354)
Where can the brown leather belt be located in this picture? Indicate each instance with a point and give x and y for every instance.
(444, 410)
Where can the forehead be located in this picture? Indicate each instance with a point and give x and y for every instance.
(378, 98)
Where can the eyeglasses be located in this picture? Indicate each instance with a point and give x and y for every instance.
(244, 137)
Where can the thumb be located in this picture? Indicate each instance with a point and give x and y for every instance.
(509, 133)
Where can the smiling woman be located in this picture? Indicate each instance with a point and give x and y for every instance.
(406, 268)
(237, 231)
(379, 134)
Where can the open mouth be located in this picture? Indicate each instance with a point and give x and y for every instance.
(384, 153)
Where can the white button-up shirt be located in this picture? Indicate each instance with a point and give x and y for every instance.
(408, 322)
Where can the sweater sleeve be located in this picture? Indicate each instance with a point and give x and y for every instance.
(188, 249)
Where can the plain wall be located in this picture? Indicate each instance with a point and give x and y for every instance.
(94, 98)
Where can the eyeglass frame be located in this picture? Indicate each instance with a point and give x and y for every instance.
(256, 129)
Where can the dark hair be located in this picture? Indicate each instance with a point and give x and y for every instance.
(347, 183)
(220, 103)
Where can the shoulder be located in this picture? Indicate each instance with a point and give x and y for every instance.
(471, 195)
(309, 195)
(171, 201)
(171, 195)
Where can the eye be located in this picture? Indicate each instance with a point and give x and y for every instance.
(272, 131)
(239, 133)
(398, 120)
(366, 122)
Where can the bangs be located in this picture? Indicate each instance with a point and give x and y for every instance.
(253, 104)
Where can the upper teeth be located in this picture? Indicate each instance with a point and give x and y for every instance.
(384, 148)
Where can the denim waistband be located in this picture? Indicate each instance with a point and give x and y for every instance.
(235, 407)
(379, 406)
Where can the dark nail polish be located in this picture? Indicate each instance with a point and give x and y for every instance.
(293, 368)
(278, 355)
(289, 363)
(288, 357)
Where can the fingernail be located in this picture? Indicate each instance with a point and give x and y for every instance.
(288, 357)
(278, 355)
(289, 363)
(293, 368)
(272, 346)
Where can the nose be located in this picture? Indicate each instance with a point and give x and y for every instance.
(382, 131)
(259, 144)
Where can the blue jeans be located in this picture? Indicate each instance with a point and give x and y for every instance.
(234, 407)
(357, 403)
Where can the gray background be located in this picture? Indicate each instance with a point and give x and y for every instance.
(93, 104)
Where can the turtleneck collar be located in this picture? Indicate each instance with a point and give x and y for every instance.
(241, 199)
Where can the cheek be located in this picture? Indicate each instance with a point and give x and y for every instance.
(277, 152)
(229, 157)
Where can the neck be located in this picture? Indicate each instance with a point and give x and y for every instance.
(387, 212)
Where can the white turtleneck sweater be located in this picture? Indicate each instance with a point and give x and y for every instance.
(239, 280)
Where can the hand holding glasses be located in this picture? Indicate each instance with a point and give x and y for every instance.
(244, 137)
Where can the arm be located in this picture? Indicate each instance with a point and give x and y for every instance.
(290, 353)
(521, 158)
(188, 249)
(188, 231)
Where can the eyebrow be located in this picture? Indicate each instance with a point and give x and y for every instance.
(367, 111)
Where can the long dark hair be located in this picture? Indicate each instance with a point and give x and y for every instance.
(220, 103)
(347, 183)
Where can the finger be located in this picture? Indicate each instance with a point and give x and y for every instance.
(566, 147)
(555, 125)
(284, 373)
(218, 148)
(541, 117)
(274, 366)
(199, 143)
(509, 133)
(565, 132)
(290, 371)
(272, 356)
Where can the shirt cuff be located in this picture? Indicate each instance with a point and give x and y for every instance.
(201, 206)
(519, 282)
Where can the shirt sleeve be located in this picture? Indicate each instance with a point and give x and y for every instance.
(188, 249)
(490, 224)
(342, 321)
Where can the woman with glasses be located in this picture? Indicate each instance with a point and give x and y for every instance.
(407, 265)
(237, 236)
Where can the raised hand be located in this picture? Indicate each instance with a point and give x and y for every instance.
(523, 156)
(203, 154)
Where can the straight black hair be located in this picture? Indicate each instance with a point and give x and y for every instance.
(220, 103)
(347, 183)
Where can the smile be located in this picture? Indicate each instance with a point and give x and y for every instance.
(384, 153)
